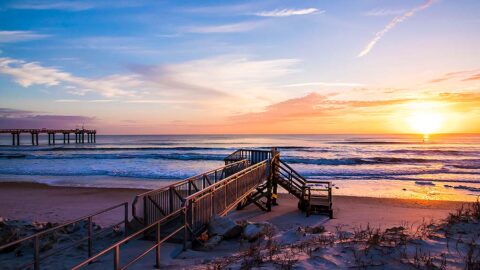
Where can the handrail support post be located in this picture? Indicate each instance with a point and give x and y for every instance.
(90, 237)
(157, 248)
(36, 254)
(125, 225)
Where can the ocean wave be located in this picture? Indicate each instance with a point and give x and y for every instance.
(356, 161)
(88, 148)
(172, 156)
(10, 156)
(372, 142)
(113, 173)
(434, 152)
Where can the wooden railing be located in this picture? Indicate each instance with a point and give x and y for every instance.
(115, 248)
(89, 238)
(161, 202)
(219, 198)
(254, 156)
(195, 213)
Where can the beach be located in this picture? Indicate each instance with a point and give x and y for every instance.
(39, 202)
(43, 203)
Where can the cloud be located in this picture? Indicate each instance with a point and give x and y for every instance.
(289, 12)
(55, 5)
(221, 76)
(311, 105)
(474, 77)
(464, 75)
(210, 79)
(18, 36)
(32, 73)
(391, 25)
(74, 5)
(224, 28)
(384, 12)
(13, 118)
(332, 84)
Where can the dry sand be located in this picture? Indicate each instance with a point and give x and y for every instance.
(59, 204)
(39, 202)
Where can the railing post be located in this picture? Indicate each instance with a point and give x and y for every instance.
(276, 156)
(192, 213)
(170, 199)
(145, 212)
(36, 254)
(157, 248)
(116, 258)
(90, 236)
(185, 228)
(125, 224)
(212, 203)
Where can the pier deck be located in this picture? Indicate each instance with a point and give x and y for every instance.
(79, 135)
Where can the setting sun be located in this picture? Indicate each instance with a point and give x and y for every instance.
(426, 123)
(426, 118)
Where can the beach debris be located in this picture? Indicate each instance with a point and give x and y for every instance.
(225, 227)
(212, 242)
(254, 231)
(315, 229)
(424, 183)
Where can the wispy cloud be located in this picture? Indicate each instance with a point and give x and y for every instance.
(332, 84)
(55, 5)
(464, 75)
(18, 36)
(32, 73)
(288, 12)
(391, 25)
(474, 77)
(74, 5)
(223, 28)
(310, 106)
(384, 12)
(210, 79)
(219, 77)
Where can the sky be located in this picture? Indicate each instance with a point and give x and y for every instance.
(220, 67)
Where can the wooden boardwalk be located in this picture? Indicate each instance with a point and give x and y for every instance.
(91, 135)
(182, 211)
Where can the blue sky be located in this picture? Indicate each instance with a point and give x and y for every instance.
(197, 67)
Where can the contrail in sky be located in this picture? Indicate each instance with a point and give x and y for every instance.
(391, 25)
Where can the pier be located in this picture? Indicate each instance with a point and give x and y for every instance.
(80, 135)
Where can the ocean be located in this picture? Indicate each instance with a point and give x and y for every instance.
(403, 166)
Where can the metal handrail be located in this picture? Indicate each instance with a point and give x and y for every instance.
(36, 237)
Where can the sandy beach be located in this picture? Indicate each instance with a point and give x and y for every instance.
(39, 202)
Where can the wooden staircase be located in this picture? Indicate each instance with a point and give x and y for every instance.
(314, 197)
